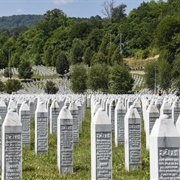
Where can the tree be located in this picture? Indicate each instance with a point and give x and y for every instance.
(116, 57)
(2, 86)
(120, 80)
(164, 75)
(88, 54)
(12, 85)
(77, 51)
(78, 78)
(62, 64)
(3, 59)
(118, 13)
(176, 72)
(25, 70)
(151, 72)
(50, 87)
(98, 75)
(108, 9)
(99, 58)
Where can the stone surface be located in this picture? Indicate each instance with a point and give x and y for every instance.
(132, 139)
(65, 141)
(24, 115)
(101, 146)
(164, 150)
(120, 112)
(12, 147)
(41, 129)
(54, 113)
(175, 110)
(112, 107)
(152, 114)
(74, 112)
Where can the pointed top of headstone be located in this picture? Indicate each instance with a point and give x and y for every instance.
(101, 117)
(132, 113)
(54, 104)
(2, 103)
(164, 127)
(12, 118)
(41, 107)
(73, 106)
(65, 113)
(24, 106)
(152, 108)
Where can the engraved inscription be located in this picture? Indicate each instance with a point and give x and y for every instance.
(25, 120)
(55, 113)
(134, 143)
(13, 156)
(66, 153)
(168, 161)
(42, 134)
(103, 155)
(152, 120)
(120, 117)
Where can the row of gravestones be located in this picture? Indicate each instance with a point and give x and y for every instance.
(138, 81)
(42, 70)
(64, 114)
(123, 115)
(119, 114)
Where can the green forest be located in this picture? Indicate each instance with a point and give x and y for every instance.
(57, 40)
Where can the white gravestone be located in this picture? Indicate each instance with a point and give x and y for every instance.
(112, 107)
(101, 146)
(3, 111)
(164, 150)
(65, 141)
(175, 110)
(24, 115)
(132, 139)
(41, 129)
(12, 147)
(152, 114)
(166, 109)
(74, 112)
(120, 112)
(78, 103)
(54, 113)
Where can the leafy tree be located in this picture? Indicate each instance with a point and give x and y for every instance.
(3, 59)
(166, 29)
(95, 38)
(12, 85)
(118, 13)
(98, 77)
(50, 87)
(176, 71)
(120, 80)
(99, 58)
(47, 59)
(151, 74)
(2, 86)
(78, 78)
(77, 51)
(25, 70)
(88, 54)
(62, 63)
(164, 75)
(116, 57)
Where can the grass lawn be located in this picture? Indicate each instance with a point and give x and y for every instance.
(45, 166)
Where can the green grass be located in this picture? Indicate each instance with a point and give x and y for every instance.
(45, 166)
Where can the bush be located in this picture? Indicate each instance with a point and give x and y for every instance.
(50, 88)
(12, 85)
(2, 86)
(6, 72)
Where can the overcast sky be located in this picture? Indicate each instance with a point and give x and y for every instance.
(73, 8)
